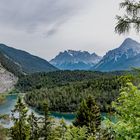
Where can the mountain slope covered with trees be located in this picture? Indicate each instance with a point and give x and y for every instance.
(21, 62)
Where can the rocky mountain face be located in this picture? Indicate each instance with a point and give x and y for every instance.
(7, 80)
(122, 58)
(15, 63)
(75, 60)
(18, 61)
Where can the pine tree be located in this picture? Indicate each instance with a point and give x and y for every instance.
(20, 129)
(59, 131)
(63, 129)
(47, 124)
(89, 115)
(130, 19)
(34, 127)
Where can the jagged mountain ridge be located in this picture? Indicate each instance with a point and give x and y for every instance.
(22, 61)
(75, 60)
(122, 58)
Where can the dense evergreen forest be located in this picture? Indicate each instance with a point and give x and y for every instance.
(64, 90)
(67, 98)
(61, 78)
(87, 124)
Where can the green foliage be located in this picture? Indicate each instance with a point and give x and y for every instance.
(3, 133)
(64, 91)
(89, 115)
(30, 127)
(75, 133)
(130, 19)
(2, 98)
(10, 65)
(34, 127)
(87, 123)
(59, 78)
(67, 98)
(106, 133)
(20, 130)
(59, 131)
(127, 109)
(46, 127)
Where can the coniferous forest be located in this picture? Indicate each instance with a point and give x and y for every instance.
(87, 95)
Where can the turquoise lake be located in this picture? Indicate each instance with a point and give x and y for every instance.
(10, 102)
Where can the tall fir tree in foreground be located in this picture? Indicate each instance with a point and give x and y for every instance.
(130, 19)
(20, 129)
(89, 116)
(34, 127)
(46, 123)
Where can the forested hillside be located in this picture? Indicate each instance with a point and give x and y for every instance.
(66, 89)
(61, 78)
(18, 61)
(10, 65)
(67, 98)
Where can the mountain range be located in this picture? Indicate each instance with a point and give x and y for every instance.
(126, 56)
(15, 63)
(18, 61)
(75, 60)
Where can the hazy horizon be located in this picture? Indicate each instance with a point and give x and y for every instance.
(44, 28)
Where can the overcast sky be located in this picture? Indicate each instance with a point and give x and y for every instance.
(46, 27)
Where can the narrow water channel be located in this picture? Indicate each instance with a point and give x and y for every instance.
(10, 102)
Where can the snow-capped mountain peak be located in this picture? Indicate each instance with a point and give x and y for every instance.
(72, 59)
(115, 59)
(128, 48)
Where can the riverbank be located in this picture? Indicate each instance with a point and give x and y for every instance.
(11, 100)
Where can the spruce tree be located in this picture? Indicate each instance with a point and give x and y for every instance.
(59, 131)
(20, 129)
(88, 115)
(46, 124)
(34, 127)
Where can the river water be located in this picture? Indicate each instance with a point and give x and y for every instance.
(10, 102)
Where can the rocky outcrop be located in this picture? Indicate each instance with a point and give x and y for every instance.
(7, 80)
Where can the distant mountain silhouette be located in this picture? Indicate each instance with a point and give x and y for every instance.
(75, 60)
(122, 58)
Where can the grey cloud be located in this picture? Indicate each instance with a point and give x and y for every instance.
(51, 31)
(46, 27)
(32, 15)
